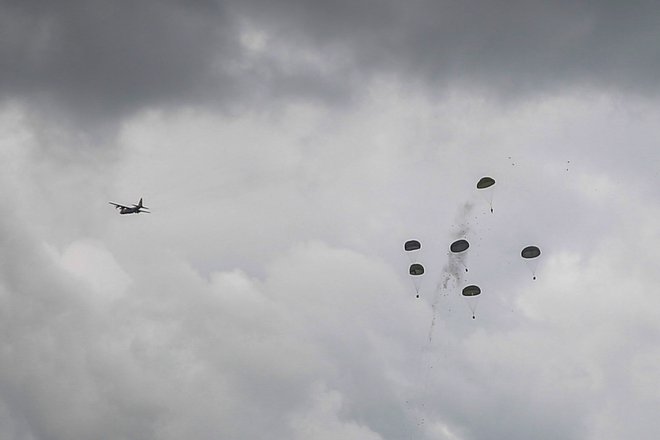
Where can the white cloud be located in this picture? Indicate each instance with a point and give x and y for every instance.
(89, 261)
(322, 421)
(267, 296)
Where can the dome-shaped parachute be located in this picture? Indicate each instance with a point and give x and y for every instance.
(531, 254)
(471, 294)
(412, 245)
(416, 271)
(471, 290)
(485, 182)
(459, 246)
(485, 186)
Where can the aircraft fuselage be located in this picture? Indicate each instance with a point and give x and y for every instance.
(135, 209)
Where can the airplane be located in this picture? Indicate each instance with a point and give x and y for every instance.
(135, 209)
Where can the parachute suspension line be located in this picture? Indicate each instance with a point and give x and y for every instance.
(472, 305)
(463, 265)
(488, 195)
(532, 266)
(416, 286)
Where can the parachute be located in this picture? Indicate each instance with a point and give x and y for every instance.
(483, 185)
(459, 246)
(531, 254)
(412, 245)
(471, 293)
(485, 182)
(416, 270)
(471, 290)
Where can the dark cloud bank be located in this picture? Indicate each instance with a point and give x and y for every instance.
(107, 59)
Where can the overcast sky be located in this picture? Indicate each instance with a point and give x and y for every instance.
(287, 150)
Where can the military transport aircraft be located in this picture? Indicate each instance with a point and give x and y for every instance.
(135, 209)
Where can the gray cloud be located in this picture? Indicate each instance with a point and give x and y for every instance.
(267, 296)
(98, 61)
(503, 47)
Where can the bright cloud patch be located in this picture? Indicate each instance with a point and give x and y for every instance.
(94, 265)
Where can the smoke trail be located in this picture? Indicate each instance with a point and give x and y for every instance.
(453, 270)
(462, 220)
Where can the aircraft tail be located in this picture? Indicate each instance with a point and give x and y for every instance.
(140, 206)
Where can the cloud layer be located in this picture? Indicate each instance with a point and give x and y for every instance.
(97, 61)
(286, 153)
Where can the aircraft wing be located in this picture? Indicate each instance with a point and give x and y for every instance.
(117, 205)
